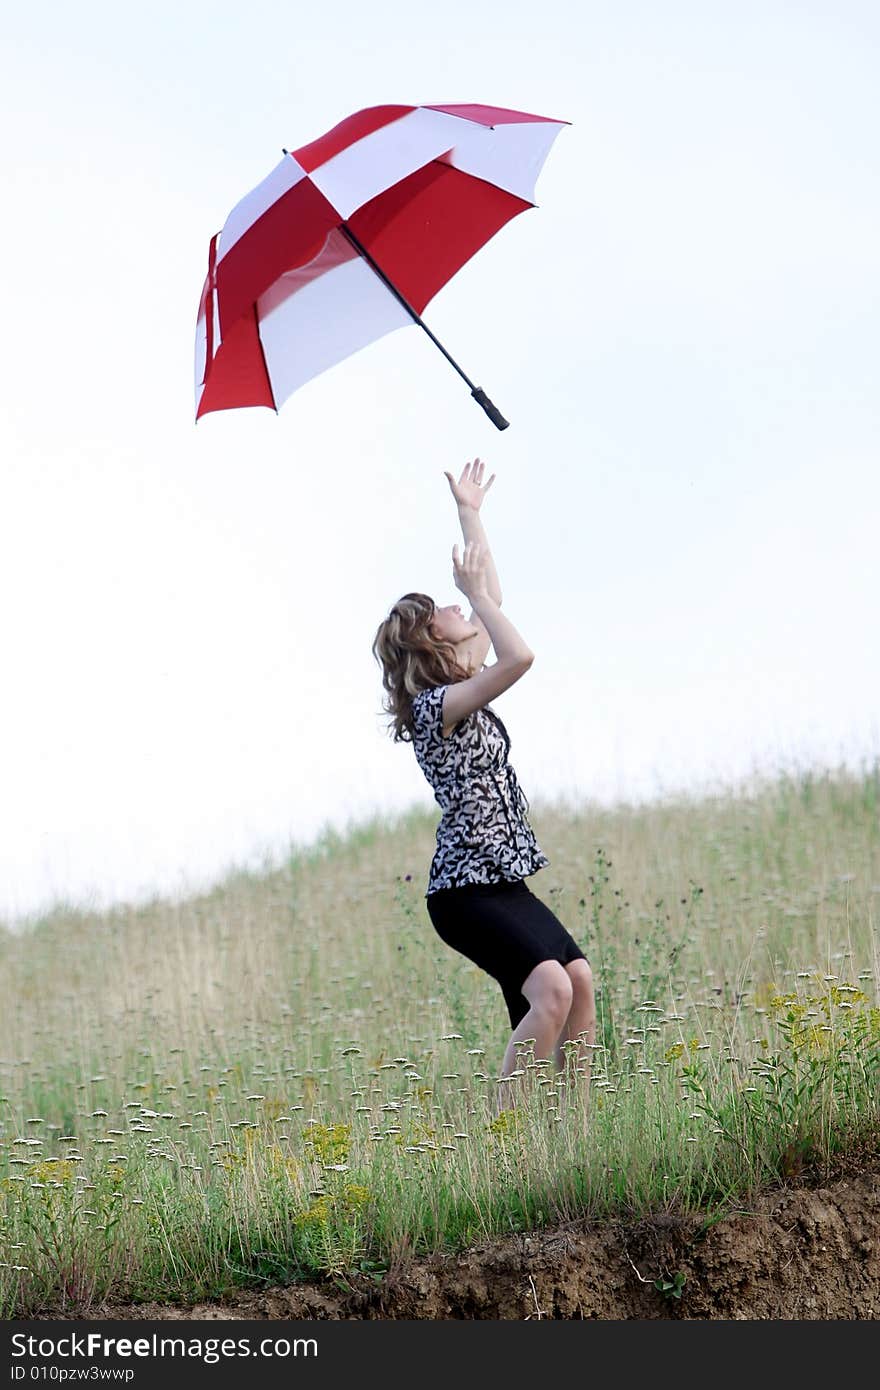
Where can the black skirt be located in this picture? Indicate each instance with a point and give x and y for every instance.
(505, 930)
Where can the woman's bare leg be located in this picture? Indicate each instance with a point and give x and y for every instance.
(580, 1025)
(550, 993)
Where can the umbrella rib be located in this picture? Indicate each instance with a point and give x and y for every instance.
(263, 355)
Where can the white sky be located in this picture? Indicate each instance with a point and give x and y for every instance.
(684, 336)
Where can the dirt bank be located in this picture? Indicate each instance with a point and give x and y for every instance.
(810, 1250)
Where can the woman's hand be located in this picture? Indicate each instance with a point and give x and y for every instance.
(469, 490)
(470, 572)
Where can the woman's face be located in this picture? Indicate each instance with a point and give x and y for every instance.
(450, 625)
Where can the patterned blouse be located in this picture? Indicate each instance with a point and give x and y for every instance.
(484, 835)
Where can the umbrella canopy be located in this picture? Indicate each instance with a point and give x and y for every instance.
(349, 237)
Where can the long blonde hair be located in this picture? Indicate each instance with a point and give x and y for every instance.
(412, 659)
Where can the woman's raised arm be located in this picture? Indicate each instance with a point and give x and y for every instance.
(514, 655)
(469, 493)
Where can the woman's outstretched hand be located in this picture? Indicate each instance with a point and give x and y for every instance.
(469, 490)
(469, 572)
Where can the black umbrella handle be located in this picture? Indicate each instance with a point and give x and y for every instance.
(491, 410)
(477, 392)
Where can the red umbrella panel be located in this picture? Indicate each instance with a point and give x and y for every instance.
(351, 236)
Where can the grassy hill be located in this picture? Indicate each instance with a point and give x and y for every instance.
(291, 1075)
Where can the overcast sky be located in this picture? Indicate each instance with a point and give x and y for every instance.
(684, 336)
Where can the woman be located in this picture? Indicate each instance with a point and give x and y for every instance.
(438, 693)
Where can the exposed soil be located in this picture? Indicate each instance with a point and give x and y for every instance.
(807, 1250)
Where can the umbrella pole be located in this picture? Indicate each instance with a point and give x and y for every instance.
(477, 392)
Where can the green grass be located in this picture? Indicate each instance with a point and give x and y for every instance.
(292, 1075)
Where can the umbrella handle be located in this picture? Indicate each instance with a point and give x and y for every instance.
(491, 410)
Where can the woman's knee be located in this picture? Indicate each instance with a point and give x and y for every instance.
(581, 976)
(550, 989)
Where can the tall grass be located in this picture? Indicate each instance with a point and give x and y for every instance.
(292, 1075)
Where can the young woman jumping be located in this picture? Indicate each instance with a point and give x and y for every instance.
(437, 694)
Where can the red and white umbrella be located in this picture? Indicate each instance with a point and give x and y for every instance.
(349, 237)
